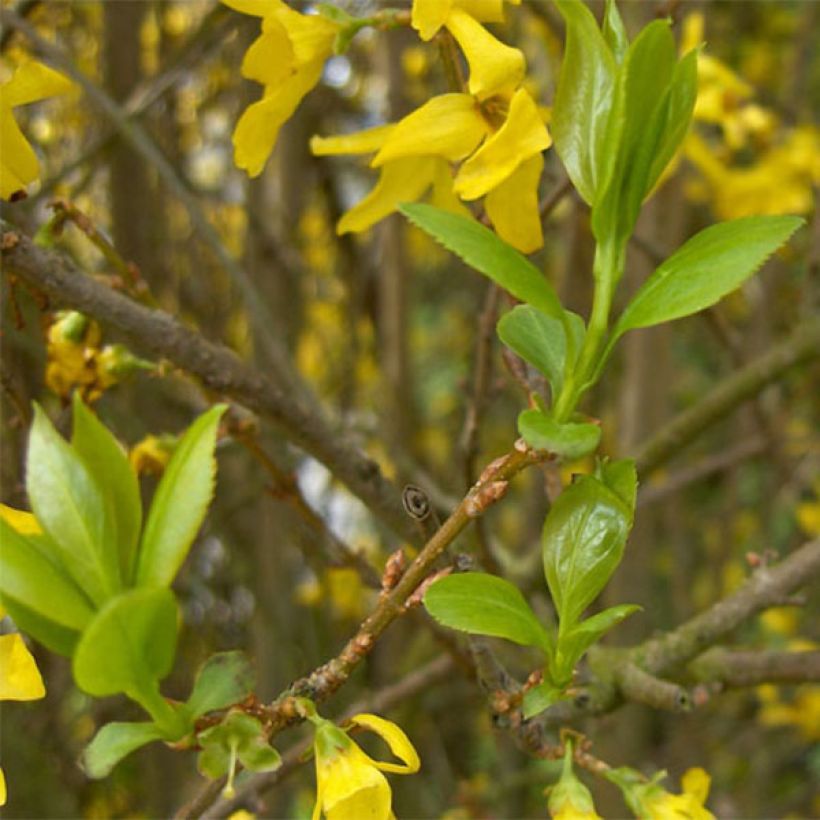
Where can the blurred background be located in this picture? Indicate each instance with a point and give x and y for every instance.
(393, 338)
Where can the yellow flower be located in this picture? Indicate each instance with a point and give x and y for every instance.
(32, 81)
(803, 713)
(651, 801)
(24, 522)
(350, 784)
(498, 139)
(150, 455)
(569, 798)
(287, 59)
(19, 677)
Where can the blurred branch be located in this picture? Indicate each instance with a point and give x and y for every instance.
(736, 668)
(803, 345)
(142, 143)
(157, 334)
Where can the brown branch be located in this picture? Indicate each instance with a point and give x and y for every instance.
(803, 345)
(157, 335)
(733, 668)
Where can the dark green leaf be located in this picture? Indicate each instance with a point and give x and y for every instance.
(583, 542)
(50, 634)
(69, 506)
(568, 440)
(541, 340)
(583, 99)
(180, 502)
(226, 678)
(480, 248)
(539, 698)
(710, 265)
(485, 605)
(114, 742)
(109, 466)
(32, 579)
(129, 645)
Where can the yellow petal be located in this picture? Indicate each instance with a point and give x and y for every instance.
(256, 8)
(24, 522)
(2, 788)
(349, 787)
(18, 162)
(429, 16)
(404, 180)
(19, 677)
(513, 207)
(495, 68)
(522, 136)
(443, 196)
(696, 782)
(362, 142)
(449, 126)
(258, 127)
(311, 35)
(395, 738)
(270, 59)
(33, 81)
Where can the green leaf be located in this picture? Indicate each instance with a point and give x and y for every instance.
(225, 679)
(583, 99)
(58, 639)
(480, 248)
(614, 32)
(32, 579)
(129, 645)
(622, 478)
(485, 605)
(69, 506)
(583, 543)
(711, 264)
(632, 132)
(568, 440)
(541, 340)
(180, 502)
(539, 698)
(243, 734)
(578, 640)
(108, 464)
(114, 742)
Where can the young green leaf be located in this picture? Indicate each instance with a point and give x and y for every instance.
(583, 99)
(59, 639)
(180, 502)
(541, 340)
(568, 440)
(578, 640)
(70, 507)
(711, 264)
(539, 698)
(583, 543)
(28, 576)
(622, 478)
(238, 736)
(129, 645)
(485, 605)
(642, 81)
(114, 742)
(109, 466)
(226, 678)
(480, 248)
(614, 32)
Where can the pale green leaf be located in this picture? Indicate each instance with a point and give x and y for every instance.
(114, 742)
(226, 678)
(569, 440)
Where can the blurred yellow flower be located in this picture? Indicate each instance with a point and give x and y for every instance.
(650, 801)
(31, 81)
(350, 784)
(24, 522)
(19, 677)
(803, 712)
(152, 453)
(287, 59)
